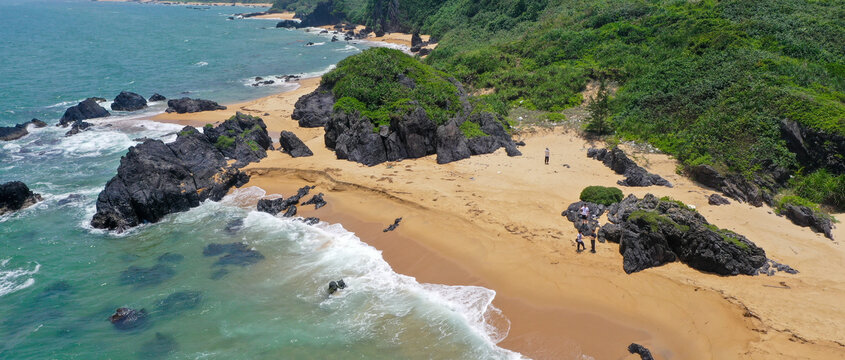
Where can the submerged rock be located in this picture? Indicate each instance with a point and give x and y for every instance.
(155, 179)
(128, 319)
(634, 174)
(218, 249)
(160, 347)
(128, 101)
(146, 276)
(87, 109)
(188, 105)
(180, 300)
(170, 258)
(237, 253)
(15, 195)
(234, 226)
(293, 146)
(78, 127)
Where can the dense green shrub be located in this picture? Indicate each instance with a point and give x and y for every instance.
(224, 142)
(601, 195)
(821, 187)
(471, 130)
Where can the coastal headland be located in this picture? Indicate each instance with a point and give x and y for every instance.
(494, 221)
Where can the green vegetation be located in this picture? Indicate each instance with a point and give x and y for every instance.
(253, 145)
(187, 132)
(706, 81)
(728, 236)
(471, 130)
(600, 118)
(208, 127)
(676, 202)
(224, 142)
(370, 83)
(554, 117)
(601, 195)
(654, 220)
(782, 201)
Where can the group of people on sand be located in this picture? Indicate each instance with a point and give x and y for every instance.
(584, 214)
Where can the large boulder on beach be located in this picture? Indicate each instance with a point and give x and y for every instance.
(314, 109)
(87, 109)
(8, 133)
(653, 231)
(15, 195)
(806, 217)
(188, 105)
(735, 186)
(155, 179)
(291, 145)
(128, 101)
(619, 162)
(451, 144)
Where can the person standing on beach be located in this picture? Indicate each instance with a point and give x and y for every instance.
(579, 242)
(585, 213)
(547, 156)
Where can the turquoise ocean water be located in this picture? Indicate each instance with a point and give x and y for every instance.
(60, 280)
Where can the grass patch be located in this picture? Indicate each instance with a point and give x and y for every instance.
(728, 236)
(253, 145)
(224, 142)
(208, 127)
(471, 130)
(676, 202)
(601, 195)
(654, 220)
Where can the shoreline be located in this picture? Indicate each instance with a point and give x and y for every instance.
(193, 3)
(467, 223)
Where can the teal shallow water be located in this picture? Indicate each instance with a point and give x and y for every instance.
(60, 280)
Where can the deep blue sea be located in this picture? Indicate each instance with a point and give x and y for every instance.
(60, 280)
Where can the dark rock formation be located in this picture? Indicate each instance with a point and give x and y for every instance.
(323, 14)
(814, 148)
(640, 350)
(188, 105)
(242, 137)
(87, 109)
(128, 319)
(314, 109)
(15, 195)
(293, 146)
(159, 347)
(734, 186)
(78, 127)
(146, 276)
(234, 226)
(806, 217)
(451, 144)
(8, 133)
(219, 249)
(237, 253)
(289, 24)
(155, 179)
(290, 212)
(334, 286)
(311, 220)
(715, 199)
(180, 301)
(573, 214)
(157, 97)
(170, 258)
(317, 200)
(415, 48)
(128, 101)
(275, 206)
(652, 232)
(393, 226)
(634, 174)
(416, 40)
(352, 138)
(72, 198)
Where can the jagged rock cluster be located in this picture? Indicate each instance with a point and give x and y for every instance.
(275, 206)
(652, 232)
(411, 135)
(634, 174)
(155, 179)
(188, 105)
(734, 186)
(291, 145)
(806, 217)
(15, 195)
(87, 109)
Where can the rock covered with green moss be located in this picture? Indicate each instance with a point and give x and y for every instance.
(383, 105)
(652, 232)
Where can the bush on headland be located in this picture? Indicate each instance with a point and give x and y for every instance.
(601, 195)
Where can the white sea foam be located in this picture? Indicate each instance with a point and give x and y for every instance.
(317, 44)
(16, 279)
(201, 64)
(348, 49)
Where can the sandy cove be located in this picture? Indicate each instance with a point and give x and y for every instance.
(495, 221)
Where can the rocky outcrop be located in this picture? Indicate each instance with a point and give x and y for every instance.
(733, 186)
(157, 97)
(634, 174)
(573, 214)
(652, 232)
(242, 137)
(289, 24)
(275, 206)
(128, 101)
(334, 286)
(87, 109)
(317, 201)
(416, 40)
(716, 200)
(155, 179)
(806, 217)
(640, 350)
(188, 105)
(314, 109)
(814, 148)
(323, 14)
(293, 146)
(8, 133)
(78, 127)
(128, 319)
(15, 195)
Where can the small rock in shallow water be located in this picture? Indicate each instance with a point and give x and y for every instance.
(128, 319)
(181, 300)
(141, 276)
(234, 226)
(217, 249)
(160, 347)
(170, 258)
(240, 258)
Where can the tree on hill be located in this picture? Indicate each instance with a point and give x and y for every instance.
(600, 118)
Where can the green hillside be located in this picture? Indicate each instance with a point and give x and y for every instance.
(706, 81)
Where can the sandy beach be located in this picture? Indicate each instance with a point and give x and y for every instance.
(263, 5)
(494, 221)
